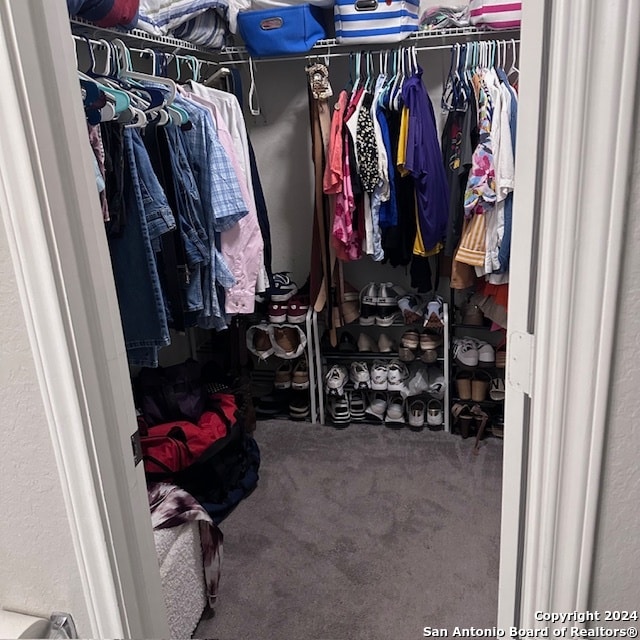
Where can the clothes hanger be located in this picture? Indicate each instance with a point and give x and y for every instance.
(513, 68)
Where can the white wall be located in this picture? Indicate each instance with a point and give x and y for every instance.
(38, 571)
(616, 580)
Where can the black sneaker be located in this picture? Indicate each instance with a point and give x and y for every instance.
(368, 304)
(299, 405)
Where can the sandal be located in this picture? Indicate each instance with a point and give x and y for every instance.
(497, 391)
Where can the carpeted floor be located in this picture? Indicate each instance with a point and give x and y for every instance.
(362, 533)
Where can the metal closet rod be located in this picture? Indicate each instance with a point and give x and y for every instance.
(316, 55)
(148, 52)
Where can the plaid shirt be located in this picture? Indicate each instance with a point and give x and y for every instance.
(223, 204)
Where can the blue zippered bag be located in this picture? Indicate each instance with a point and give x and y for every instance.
(282, 30)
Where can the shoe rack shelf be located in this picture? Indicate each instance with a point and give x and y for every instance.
(483, 331)
(323, 358)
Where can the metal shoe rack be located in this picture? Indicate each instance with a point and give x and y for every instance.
(321, 363)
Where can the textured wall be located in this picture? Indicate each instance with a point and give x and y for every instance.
(39, 573)
(616, 582)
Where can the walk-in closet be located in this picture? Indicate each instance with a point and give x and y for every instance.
(292, 265)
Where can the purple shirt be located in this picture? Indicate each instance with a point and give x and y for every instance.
(424, 162)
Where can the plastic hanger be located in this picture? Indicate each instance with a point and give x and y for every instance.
(358, 62)
(513, 68)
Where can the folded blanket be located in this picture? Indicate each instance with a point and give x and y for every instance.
(171, 506)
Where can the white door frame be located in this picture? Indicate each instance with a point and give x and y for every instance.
(56, 235)
(572, 180)
(64, 274)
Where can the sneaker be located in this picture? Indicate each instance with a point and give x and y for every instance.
(410, 339)
(277, 312)
(385, 343)
(269, 406)
(387, 316)
(299, 405)
(395, 410)
(366, 343)
(416, 408)
(379, 376)
(486, 354)
(388, 295)
(377, 406)
(300, 375)
(288, 343)
(357, 406)
(338, 411)
(433, 317)
(283, 376)
(335, 379)
(397, 375)
(359, 375)
(297, 310)
(283, 288)
(368, 302)
(465, 352)
(411, 307)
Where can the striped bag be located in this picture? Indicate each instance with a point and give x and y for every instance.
(373, 21)
(495, 14)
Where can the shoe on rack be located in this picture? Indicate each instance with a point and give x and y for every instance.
(463, 385)
(368, 303)
(259, 341)
(429, 341)
(397, 375)
(366, 344)
(410, 339)
(379, 376)
(411, 307)
(465, 352)
(377, 406)
(497, 390)
(395, 411)
(406, 355)
(299, 408)
(435, 418)
(385, 343)
(338, 412)
(416, 409)
(388, 295)
(268, 406)
(283, 288)
(283, 376)
(473, 315)
(486, 354)
(277, 312)
(300, 375)
(357, 406)
(347, 343)
(433, 316)
(429, 356)
(359, 375)
(335, 379)
(297, 309)
(288, 341)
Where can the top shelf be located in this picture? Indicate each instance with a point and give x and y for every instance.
(168, 44)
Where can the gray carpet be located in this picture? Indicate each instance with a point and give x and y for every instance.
(362, 533)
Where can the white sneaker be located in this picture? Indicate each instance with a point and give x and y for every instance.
(486, 354)
(368, 303)
(379, 376)
(359, 375)
(335, 379)
(395, 410)
(397, 375)
(377, 405)
(416, 408)
(465, 352)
